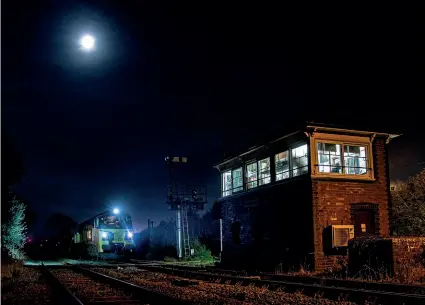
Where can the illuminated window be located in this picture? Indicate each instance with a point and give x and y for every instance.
(282, 165)
(88, 234)
(299, 158)
(342, 158)
(355, 160)
(237, 180)
(264, 171)
(329, 156)
(227, 183)
(251, 175)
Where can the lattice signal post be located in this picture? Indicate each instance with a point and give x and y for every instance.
(183, 199)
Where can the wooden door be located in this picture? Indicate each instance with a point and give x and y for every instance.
(364, 223)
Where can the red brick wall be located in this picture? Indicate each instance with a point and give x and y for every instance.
(332, 200)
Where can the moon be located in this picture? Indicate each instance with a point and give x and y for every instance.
(87, 42)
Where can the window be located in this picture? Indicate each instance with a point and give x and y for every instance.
(282, 165)
(237, 180)
(329, 157)
(251, 175)
(227, 183)
(232, 181)
(342, 158)
(355, 160)
(264, 171)
(299, 162)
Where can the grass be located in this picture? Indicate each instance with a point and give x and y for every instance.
(405, 272)
(189, 262)
(82, 261)
(12, 272)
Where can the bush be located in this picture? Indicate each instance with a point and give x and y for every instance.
(370, 257)
(201, 253)
(409, 265)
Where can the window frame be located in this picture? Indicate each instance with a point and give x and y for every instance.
(251, 162)
(231, 191)
(290, 161)
(341, 140)
(276, 173)
(259, 172)
(223, 191)
(291, 158)
(241, 187)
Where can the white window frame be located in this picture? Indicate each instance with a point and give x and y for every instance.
(341, 140)
(259, 173)
(225, 193)
(231, 191)
(246, 175)
(276, 173)
(290, 162)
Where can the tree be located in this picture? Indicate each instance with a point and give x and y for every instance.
(60, 225)
(408, 206)
(14, 231)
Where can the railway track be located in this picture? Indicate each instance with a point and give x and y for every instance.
(73, 285)
(355, 291)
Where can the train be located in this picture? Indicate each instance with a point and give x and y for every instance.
(110, 232)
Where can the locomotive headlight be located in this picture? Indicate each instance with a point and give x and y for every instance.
(130, 235)
(104, 235)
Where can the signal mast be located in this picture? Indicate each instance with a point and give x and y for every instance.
(183, 200)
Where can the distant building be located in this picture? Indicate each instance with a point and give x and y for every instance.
(300, 198)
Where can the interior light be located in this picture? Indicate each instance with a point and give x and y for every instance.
(116, 211)
(104, 235)
(130, 235)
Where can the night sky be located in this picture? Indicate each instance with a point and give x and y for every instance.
(94, 128)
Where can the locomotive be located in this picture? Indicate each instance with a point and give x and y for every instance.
(109, 232)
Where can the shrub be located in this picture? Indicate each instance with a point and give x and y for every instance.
(370, 257)
(201, 253)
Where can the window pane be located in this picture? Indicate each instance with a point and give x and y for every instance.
(264, 171)
(227, 183)
(251, 175)
(237, 179)
(329, 157)
(282, 165)
(299, 160)
(355, 160)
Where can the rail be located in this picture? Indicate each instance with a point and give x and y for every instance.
(61, 294)
(131, 293)
(293, 284)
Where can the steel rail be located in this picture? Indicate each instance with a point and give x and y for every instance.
(62, 295)
(335, 282)
(327, 291)
(146, 295)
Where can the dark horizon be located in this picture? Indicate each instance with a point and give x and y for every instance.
(93, 129)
